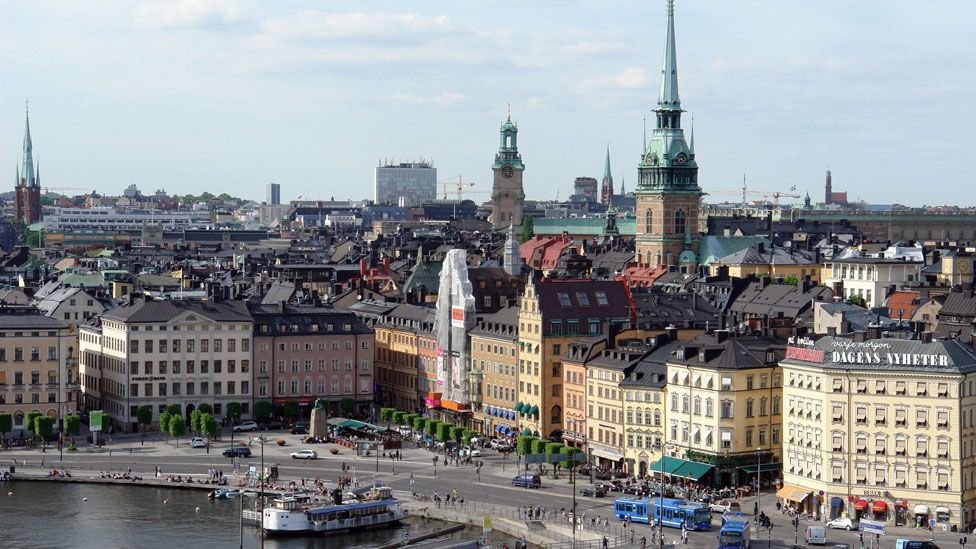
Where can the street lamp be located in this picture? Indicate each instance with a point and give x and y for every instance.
(660, 509)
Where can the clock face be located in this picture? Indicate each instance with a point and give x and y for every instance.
(507, 172)
(681, 159)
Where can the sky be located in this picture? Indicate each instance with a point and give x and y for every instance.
(228, 95)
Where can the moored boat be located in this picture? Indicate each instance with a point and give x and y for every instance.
(306, 514)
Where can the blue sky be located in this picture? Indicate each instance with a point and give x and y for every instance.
(227, 95)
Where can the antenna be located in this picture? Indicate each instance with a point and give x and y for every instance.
(644, 150)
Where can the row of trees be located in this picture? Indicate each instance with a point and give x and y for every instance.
(39, 424)
(441, 430)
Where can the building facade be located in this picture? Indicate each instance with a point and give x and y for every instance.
(494, 356)
(667, 195)
(309, 352)
(397, 356)
(38, 365)
(27, 186)
(507, 194)
(159, 353)
(869, 279)
(273, 197)
(404, 184)
(882, 428)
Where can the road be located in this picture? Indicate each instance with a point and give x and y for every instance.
(491, 486)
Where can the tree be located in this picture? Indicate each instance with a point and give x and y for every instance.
(29, 421)
(144, 416)
(444, 432)
(467, 435)
(528, 229)
(234, 410)
(539, 446)
(386, 414)
(209, 427)
(44, 427)
(205, 408)
(6, 424)
(290, 409)
(856, 300)
(418, 423)
(164, 422)
(523, 445)
(72, 425)
(262, 410)
(431, 427)
(176, 427)
(457, 433)
(398, 417)
(347, 405)
(174, 410)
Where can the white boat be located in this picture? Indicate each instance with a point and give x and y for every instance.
(306, 514)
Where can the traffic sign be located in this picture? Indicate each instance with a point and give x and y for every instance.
(872, 527)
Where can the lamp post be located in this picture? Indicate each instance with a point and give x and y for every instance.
(572, 477)
(660, 509)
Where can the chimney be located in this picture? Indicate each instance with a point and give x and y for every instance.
(721, 336)
(926, 337)
(671, 332)
(860, 336)
(874, 331)
(363, 266)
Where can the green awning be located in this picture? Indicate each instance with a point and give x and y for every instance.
(526, 432)
(677, 467)
(351, 424)
(766, 467)
(534, 410)
(518, 407)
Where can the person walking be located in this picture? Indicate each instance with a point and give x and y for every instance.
(606, 543)
(643, 542)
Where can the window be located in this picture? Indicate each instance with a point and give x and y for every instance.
(648, 220)
(680, 224)
(749, 406)
(564, 300)
(601, 299)
(921, 418)
(726, 409)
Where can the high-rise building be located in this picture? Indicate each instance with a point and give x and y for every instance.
(27, 185)
(507, 195)
(606, 187)
(584, 189)
(668, 195)
(405, 184)
(273, 197)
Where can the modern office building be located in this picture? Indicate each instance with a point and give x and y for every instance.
(404, 184)
(107, 219)
(273, 193)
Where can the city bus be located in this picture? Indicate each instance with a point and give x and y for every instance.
(734, 534)
(670, 512)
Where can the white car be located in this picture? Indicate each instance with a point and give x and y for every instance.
(246, 426)
(305, 454)
(842, 524)
(472, 452)
(197, 442)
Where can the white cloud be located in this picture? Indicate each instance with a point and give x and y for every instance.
(632, 77)
(319, 24)
(444, 99)
(193, 13)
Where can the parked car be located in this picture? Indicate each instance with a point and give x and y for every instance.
(299, 428)
(635, 490)
(602, 475)
(273, 426)
(723, 505)
(305, 454)
(593, 491)
(472, 452)
(816, 535)
(197, 442)
(843, 523)
(527, 480)
(500, 444)
(240, 451)
(246, 426)
(909, 544)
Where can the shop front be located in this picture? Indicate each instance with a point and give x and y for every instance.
(796, 497)
(861, 508)
(921, 514)
(879, 511)
(942, 515)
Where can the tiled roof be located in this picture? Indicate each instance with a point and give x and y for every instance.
(164, 311)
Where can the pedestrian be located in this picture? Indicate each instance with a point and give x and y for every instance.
(606, 543)
(684, 536)
(631, 535)
(643, 542)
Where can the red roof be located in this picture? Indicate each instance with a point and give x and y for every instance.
(838, 197)
(642, 274)
(542, 252)
(903, 304)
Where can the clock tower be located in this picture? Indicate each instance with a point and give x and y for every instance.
(667, 195)
(507, 195)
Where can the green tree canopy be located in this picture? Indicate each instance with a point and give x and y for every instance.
(443, 432)
(386, 414)
(176, 427)
(234, 411)
(523, 445)
(262, 410)
(467, 435)
(174, 409)
(30, 421)
(205, 408)
(528, 229)
(72, 424)
(290, 409)
(457, 433)
(539, 446)
(43, 427)
(195, 420)
(209, 425)
(6, 423)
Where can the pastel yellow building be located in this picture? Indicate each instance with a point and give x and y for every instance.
(883, 427)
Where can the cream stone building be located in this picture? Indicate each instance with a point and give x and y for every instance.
(644, 392)
(724, 407)
(882, 427)
(494, 353)
(160, 353)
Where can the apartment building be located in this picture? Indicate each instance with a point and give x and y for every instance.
(38, 365)
(605, 401)
(167, 352)
(870, 279)
(553, 314)
(645, 393)
(724, 407)
(577, 355)
(494, 361)
(398, 356)
(308, 352)
(882, 428)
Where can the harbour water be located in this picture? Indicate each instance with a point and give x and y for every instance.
(56, 515)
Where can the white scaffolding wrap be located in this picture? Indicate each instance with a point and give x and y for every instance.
(455, 316)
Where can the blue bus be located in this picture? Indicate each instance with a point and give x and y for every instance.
(734, 535)
(670, 512)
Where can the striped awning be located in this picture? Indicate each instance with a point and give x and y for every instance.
(793, 493)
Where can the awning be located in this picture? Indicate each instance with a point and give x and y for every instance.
(534, 410)
(793, 493)
(518, 406)
(921, 509)
(511, 415)
(765, 467)
(879, 507)
(836, 502)
(678, 467)
(860, 505)
(526, 432)
(941, 510)
(351, 424)
(498, 427)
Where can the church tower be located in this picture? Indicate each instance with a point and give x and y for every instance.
(668, 195)
(27, 190)
(606, 188)
(507, 195)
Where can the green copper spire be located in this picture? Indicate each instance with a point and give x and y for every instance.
(27, 172)
(668, 99)
(606, 167)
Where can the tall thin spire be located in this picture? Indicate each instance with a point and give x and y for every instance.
(668, 99)
(27, 171)
(606, 167)
(691, 143)
(644, 150)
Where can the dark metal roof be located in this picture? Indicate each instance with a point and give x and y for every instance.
(164, 311)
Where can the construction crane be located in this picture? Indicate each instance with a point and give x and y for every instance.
(745, 192)
(49, 189)
(457, 185)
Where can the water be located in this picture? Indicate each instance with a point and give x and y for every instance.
(54, 515)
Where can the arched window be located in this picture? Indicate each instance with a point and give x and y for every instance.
(648, 220)
(680, 222)
(557, 414)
